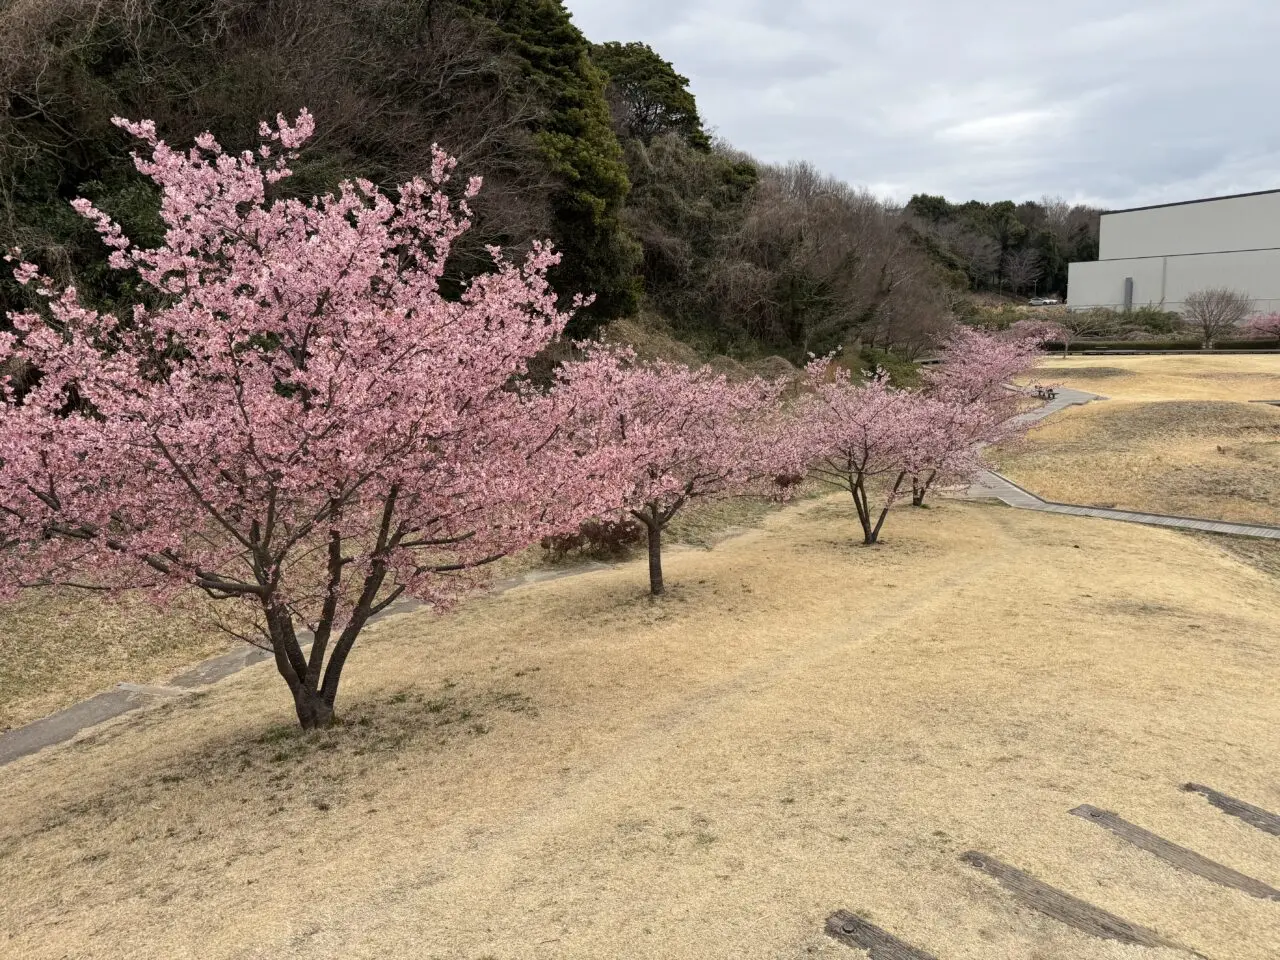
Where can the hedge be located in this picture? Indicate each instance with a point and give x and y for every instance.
(1079, 345)
(1247, 345)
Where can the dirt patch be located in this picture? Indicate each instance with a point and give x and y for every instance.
(804, 725)
(1099, 373)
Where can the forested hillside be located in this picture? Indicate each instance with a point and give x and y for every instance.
(599, 147)
(1007, 247)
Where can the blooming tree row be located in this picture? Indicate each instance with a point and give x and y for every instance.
(873, 439)
(295, 420)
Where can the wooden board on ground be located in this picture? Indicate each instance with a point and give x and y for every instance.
(1254, 816)
(1188, 860)
(852, 930)
(1065, 908)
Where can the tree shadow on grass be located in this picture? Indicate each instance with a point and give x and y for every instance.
(278, 767)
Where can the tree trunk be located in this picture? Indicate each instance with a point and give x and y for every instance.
(864, 511)
(315, 712)
(656, 587)
(874, 536)
(920, 490)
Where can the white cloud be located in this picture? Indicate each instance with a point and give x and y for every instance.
(1120, 102)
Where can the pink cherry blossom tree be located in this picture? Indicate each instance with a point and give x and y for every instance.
(971, 403)
(678, 435)
(292, 418)
(943, 440)
(1264, 326)
(858, 437)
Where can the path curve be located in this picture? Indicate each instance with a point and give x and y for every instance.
(990, 485)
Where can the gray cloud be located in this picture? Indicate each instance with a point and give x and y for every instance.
(1113, 102)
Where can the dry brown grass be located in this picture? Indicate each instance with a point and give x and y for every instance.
(58, 647)
(1213, 459)
(1236, 377)
(569, 770)
(1178, 436)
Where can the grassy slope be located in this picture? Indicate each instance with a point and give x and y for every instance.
(57, 647)
(1177, 436)
(571, 770)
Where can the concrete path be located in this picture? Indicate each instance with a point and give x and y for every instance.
(1065, 397)
(992, 486)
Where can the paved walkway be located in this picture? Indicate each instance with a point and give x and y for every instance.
(992, 486)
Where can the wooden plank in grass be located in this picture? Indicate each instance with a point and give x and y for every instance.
(1188, 860)
(1254, 816)
(853, 931)
(1065, 908)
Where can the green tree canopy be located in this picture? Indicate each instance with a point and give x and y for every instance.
(507, 87)
(577, 140)
(648, 97)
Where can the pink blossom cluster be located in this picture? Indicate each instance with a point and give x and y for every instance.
(871, 438)
(295, 419)
(1263, 326)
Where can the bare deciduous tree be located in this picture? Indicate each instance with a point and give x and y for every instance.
(816, 264)
(1076, 324)
(1216, 311)
(977, 254)
(1022, 268)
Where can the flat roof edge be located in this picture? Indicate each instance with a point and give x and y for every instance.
(1183, 203)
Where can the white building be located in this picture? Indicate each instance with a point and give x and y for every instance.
(1157, 255)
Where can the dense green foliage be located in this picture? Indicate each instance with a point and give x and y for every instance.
(507, 88)
(1018, 248)
(649, 98)
(599, 147)
(576, 138)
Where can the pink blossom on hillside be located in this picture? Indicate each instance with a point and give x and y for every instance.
(294, 419)
(676, 434)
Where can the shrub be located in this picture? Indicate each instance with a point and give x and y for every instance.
(1151, 319)
(601, 538)
(1271, 344)
(903, 373)
(991, 318)
(1079, 346)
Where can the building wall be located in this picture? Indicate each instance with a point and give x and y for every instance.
(1211, 226)
(1166, 281)
(1171, 251)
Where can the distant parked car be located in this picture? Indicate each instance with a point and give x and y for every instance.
(1042, 301)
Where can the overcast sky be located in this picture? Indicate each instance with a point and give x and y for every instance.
(1113, 102)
